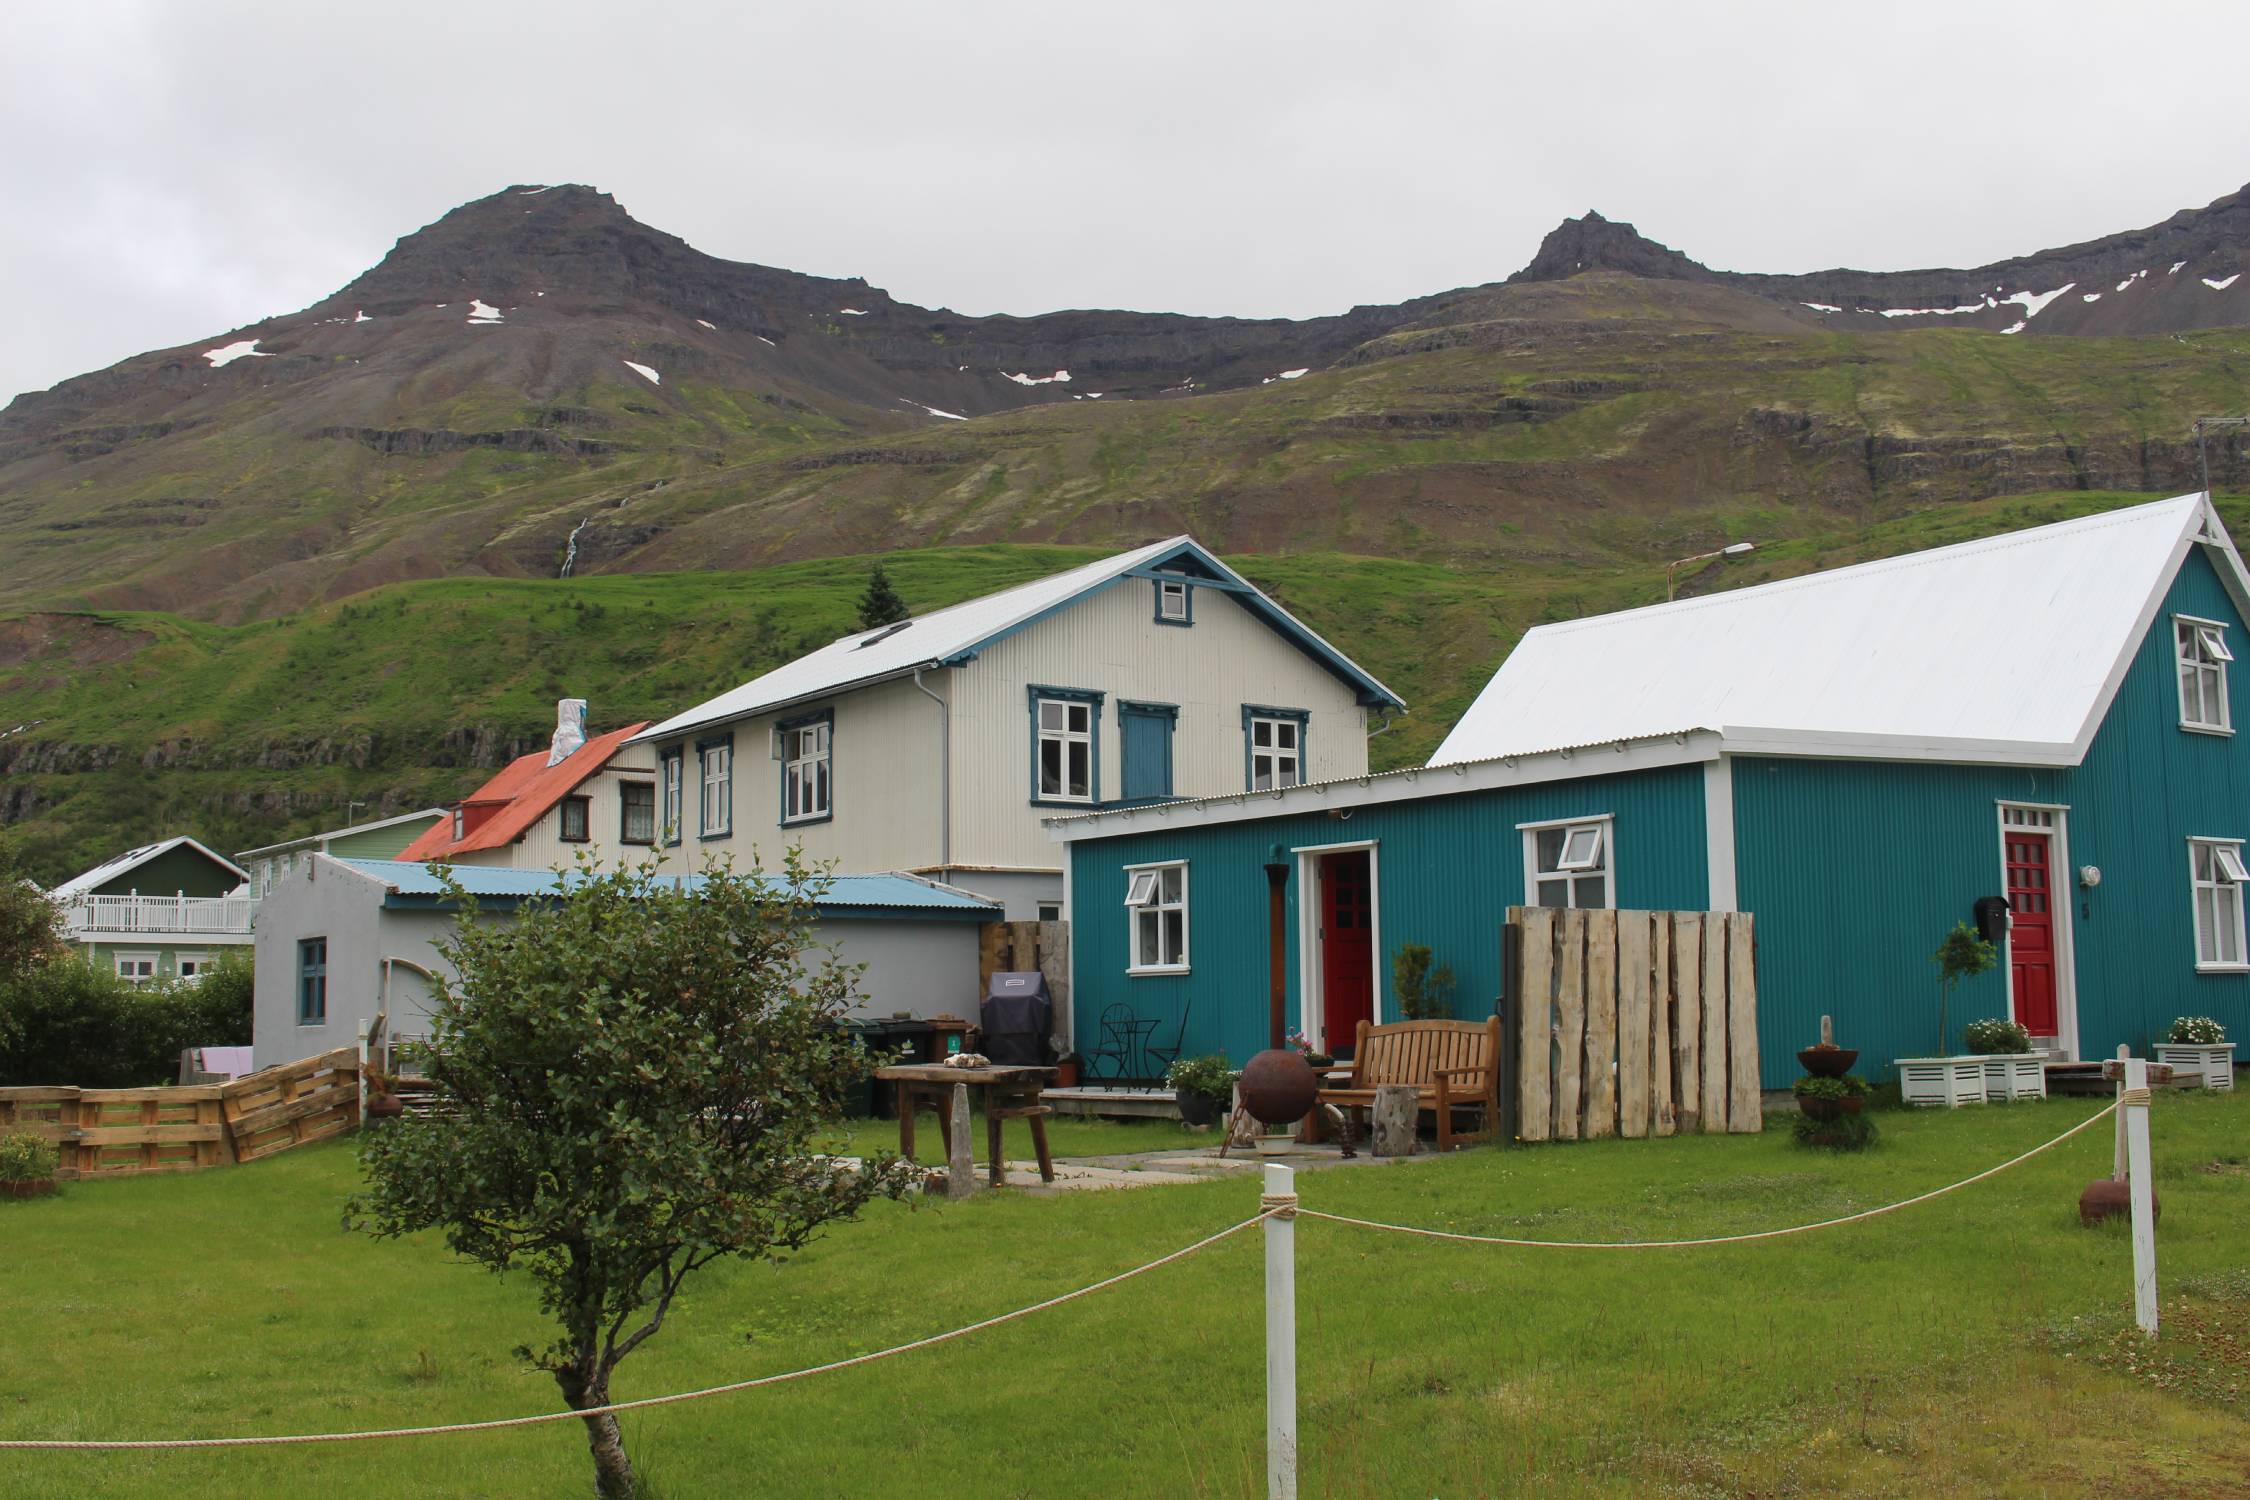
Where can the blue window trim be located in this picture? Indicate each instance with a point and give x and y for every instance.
(1170, 713)
(702, 747)
(1303, 717)
(1156, 599)
(671, 819)
(781, 794)
(312, 982)
(1033, 694)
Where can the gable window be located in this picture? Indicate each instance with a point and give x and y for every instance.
(636, 812)
(1156, 911)
(1063, 725)
(2200, 647)
(1568, 863)
(312, 981)
(2217, 875)
(1273, 741)
(1174, 603)
(805, 768)
(673, 762)
(715, 760)
(136, 968)
(576, 816)
(460, 824)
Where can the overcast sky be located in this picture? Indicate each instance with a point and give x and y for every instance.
(173, 170)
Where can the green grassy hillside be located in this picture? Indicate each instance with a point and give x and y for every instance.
(142, 724)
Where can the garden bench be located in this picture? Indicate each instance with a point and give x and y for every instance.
(1452, 1065)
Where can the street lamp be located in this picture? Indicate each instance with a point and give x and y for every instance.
(1671, 569)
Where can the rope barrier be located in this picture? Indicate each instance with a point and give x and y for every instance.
(2133, 1096)
(1278, 1205)
(1723, 1239)
(118, 1445)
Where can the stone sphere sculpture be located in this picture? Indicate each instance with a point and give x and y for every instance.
(1278, 1086)
(2104, 1197)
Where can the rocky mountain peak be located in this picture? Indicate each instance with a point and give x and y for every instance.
(1594, 243)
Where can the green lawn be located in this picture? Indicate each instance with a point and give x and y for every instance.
(1968, 1346)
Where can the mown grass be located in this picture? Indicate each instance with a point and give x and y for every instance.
(1969, 1346)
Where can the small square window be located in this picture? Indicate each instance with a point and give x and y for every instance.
(2229, 860)
(1582, 848)
(1157, 919)
(1141, 889)
(1172, 602)
(1568, 864)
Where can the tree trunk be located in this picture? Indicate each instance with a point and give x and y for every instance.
(613, 1471)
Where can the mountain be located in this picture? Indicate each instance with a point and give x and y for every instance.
(539, 382)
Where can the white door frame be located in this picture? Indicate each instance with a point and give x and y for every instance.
(2062, 898)
(1312, 996)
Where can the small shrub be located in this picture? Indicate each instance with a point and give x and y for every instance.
(25, 1157)
(1423, 992)
(1844, 1133)
(1995, 1037)
(1850, 1086)
(1209, 1076)
(2196, 1031)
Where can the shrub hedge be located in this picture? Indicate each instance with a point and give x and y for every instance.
(65, 1021)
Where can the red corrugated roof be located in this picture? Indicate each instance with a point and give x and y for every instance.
(523, 791)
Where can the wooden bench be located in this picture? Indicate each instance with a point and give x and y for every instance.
(1453, 1065)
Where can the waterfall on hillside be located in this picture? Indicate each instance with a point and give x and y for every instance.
(570, 550)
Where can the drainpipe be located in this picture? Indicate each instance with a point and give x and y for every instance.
(1389, 720)
(945, 777)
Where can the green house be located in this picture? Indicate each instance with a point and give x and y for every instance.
(385, 838)
(2035, 729)
(165, 910)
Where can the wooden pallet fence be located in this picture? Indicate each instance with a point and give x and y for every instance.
(127, 1132)
(1019, 948)
(1633, 1023)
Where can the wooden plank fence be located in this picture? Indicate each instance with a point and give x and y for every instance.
(1019, 948)
(1633, 1023)
(124, 1132)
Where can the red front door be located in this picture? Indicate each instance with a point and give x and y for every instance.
(2031, 931)
(1347, 947)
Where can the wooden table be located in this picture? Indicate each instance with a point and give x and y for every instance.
(1010, 1093)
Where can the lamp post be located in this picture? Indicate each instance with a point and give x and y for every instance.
(1671, 569)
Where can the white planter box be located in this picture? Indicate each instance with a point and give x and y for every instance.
(2211, 1066)
(1941, 1082)
(2015, 1075)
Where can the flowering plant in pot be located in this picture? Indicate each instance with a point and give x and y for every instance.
(1308, 1052)
(27, 1164)
(2011, 1070)
(2197, 1046)
(1201, 1086)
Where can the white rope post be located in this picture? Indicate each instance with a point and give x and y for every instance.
(1281, 1333)
(2134, 1107)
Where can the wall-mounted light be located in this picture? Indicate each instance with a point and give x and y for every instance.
(2089, 876)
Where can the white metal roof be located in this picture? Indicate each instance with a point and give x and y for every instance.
(2008, 648)
(132, 859)
(867, 656)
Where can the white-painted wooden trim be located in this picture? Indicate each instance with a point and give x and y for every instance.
(1528, 834)
(1718, 835)
(2236, 965)
(1312, 998)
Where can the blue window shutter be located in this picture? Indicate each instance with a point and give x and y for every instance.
(1146, 732)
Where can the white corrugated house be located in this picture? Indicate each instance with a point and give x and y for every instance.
(937, 745)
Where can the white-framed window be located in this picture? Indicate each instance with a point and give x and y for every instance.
(2200, 646)
(1277, 752)
(2217, 875)
(1050, 911)
(191, 966)
(1157, 918)
(136, 968)
(716, 761)
(1066, 750)
(674, 761)
(1172, 602)
(805, 770)
(1569, 863)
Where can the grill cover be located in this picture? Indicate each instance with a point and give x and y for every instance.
(1018, 1019)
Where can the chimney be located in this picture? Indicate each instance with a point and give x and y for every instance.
(570, 729)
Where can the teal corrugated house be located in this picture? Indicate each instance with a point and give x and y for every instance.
(2040, 720)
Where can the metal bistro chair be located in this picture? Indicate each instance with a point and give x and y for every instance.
(1115, 1048)
(1162, 1058)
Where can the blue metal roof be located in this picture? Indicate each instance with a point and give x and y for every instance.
(413, 883)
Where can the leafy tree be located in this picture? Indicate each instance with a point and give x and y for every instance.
(1962, 955)
(880, 605)
(639, 1071)
(30, 924)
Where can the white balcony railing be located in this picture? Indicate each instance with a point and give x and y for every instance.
(208, 915)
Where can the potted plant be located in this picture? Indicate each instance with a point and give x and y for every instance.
(383, 1102)
(1955, 1079)
(1066, 1071)
(1312, 1055)
(1824, 1098)
(2011, 1069)
(1827, 1060)
(1201, 1086)
(27, 1165)
(2197, 1046)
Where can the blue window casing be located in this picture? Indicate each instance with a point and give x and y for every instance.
(781, 730)
(703, 822)
(1303, 720)
(1093, 700)
(1187, 601)
(312, 981)
(1147, 727)
(671, 793)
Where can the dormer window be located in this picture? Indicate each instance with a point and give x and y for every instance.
(1173, 604)
(2200, 648)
